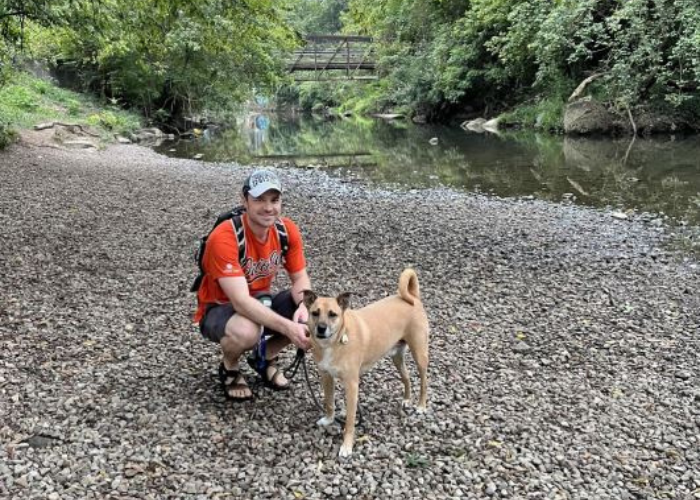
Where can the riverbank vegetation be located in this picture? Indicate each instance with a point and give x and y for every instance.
(485, 57)
(26, 101)
(171, 61)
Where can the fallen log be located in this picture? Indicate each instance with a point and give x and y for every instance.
(582, 86)
(47, 125)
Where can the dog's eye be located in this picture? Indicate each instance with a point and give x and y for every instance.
(332, 314)
(315, 313)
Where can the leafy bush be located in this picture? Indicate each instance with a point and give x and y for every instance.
(74, 107)
(546, 114)
(19, 97)
(113, 121)
(364, 100)
(317, 95)
(7, 135)
(41, 86)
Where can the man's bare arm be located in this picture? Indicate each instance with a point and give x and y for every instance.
(236, 289)
(300, 282)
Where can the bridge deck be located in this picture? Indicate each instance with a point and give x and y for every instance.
(311, 66)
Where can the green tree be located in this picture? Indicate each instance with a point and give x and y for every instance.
(16, 16)
(175, 57)
(317, 16)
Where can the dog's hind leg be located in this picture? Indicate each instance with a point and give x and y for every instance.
(400, 363)
(419, 350)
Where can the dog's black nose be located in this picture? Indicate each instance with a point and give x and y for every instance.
(321, 330)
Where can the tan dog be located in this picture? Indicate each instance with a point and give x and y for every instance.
(347, 343)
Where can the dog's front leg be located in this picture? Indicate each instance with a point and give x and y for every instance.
(351, 389)
(328, 400)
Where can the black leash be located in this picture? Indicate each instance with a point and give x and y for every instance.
(294, 365)
(300, 359)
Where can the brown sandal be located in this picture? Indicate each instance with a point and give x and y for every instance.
(268, 376)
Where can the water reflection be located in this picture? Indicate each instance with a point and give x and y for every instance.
(655, 175)
(256, 126)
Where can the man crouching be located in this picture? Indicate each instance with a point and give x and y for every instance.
(235, 306)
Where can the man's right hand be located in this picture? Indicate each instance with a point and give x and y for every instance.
(298, 335)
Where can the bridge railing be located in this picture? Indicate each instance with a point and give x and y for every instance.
(324, 57)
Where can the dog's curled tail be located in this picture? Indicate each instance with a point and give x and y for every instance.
(408, 286)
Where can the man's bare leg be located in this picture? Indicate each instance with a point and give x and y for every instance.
(274, 373)
(241, 335)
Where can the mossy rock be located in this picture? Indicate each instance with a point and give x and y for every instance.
(586, 117)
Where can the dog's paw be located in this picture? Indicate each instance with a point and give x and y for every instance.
(345, 451)
(325, 421)
(405, 404)
(421, 410)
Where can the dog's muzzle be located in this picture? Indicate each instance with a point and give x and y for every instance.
(322, 331)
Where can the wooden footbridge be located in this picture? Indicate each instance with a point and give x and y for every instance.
(334, 57)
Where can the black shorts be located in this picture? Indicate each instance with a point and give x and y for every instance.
(213, 324)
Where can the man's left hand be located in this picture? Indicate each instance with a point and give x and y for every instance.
(301, 315)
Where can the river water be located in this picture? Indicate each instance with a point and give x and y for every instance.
(660, 175)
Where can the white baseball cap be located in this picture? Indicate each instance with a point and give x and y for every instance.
(261, 181)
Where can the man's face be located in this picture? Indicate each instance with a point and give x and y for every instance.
(265, 209)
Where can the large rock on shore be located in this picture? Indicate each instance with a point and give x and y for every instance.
(586, 116)
(649, 122)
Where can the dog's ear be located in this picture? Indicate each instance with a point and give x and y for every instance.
(309, 298)
(343, 300)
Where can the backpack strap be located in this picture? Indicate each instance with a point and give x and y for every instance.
(283, 236)
(235, 216)
(239, 231)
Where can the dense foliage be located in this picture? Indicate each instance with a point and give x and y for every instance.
(171, 58)
(443, 55)
(317, 16)
(165, 57)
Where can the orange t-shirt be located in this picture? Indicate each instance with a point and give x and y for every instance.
(260, 267)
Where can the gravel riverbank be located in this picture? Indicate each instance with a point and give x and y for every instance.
(564, 353)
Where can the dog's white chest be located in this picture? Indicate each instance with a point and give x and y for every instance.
(326, 363)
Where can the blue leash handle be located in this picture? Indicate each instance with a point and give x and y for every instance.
(262, 348)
